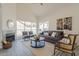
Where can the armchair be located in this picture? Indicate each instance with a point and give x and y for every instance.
(68, 47)
(25, 35)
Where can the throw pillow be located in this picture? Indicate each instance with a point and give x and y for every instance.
(45, 34)
(65, 40)
(53, 34)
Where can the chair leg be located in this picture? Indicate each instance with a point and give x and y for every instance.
(72, 54)
(54, 51)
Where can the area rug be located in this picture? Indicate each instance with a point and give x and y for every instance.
(47, 50)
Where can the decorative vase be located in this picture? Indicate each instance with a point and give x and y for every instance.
(37, 37)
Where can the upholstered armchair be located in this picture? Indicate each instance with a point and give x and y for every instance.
(68, 46)
(25, 35)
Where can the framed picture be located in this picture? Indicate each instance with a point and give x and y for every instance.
(60, 24)
(68, 23)
(64, 23)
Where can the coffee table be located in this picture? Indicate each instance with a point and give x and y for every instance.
(38, 43)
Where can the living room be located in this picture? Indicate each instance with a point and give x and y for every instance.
(16, 17)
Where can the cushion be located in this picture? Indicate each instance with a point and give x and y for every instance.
(45, 34)
(72, 39)
(50, 33)
(65, 46)
(53, 34)
(65, 40)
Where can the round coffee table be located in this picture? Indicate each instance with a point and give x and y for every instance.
(38, 43)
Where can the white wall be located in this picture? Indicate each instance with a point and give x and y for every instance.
(23, 12)
(8, 13)
(65, 12)
(0, 25)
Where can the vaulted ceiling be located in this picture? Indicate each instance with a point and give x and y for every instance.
(41, 10)
(38, 10)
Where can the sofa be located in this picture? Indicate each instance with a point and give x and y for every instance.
(53, 36)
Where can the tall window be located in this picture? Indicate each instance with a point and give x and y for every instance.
(44, 26)
(30, 26)
(25, 26)
(20, 28)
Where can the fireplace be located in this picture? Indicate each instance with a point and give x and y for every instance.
(10, 37)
